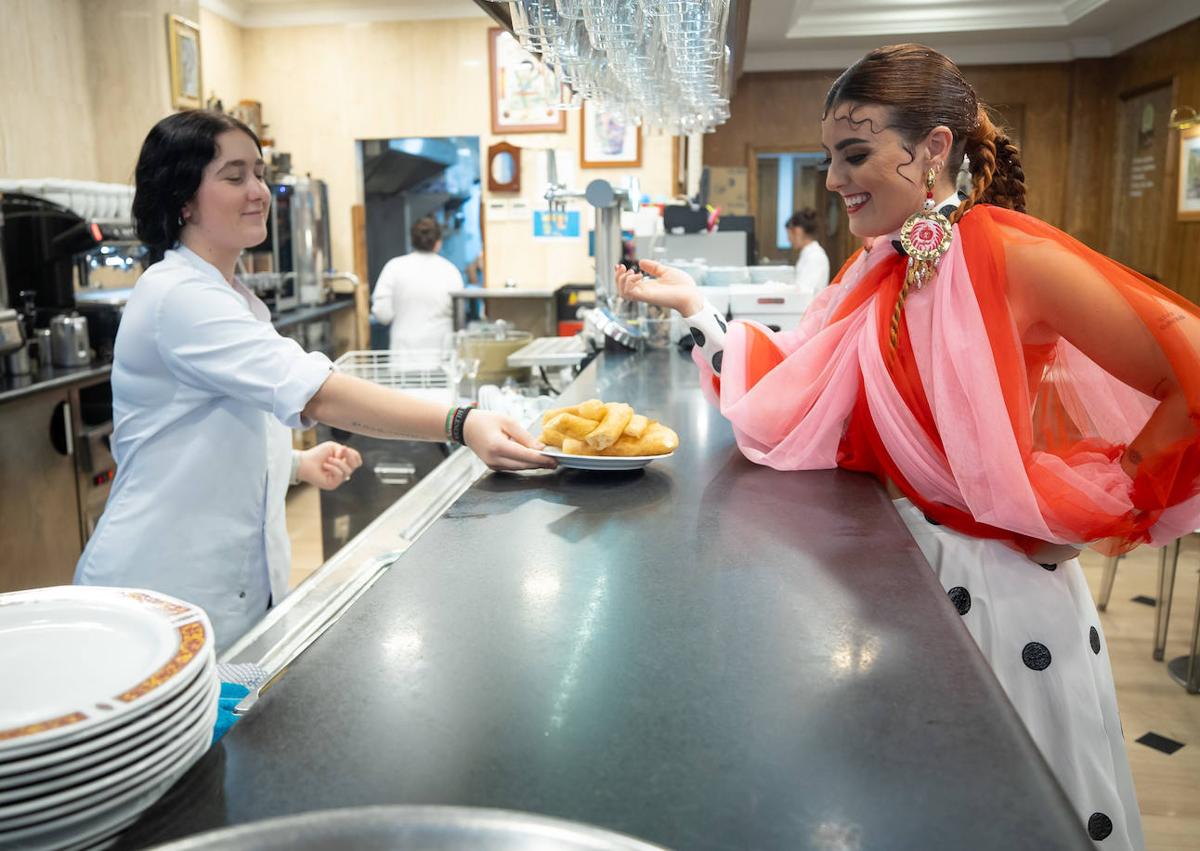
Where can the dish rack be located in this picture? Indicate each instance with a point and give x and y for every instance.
(424, 373)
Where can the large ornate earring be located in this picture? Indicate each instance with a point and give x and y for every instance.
(925, 238)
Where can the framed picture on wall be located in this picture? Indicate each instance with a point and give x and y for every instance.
(608, 140)
(524, 91)
(183, 52)
(1188, 203)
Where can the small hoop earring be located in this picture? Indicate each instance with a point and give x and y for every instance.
(180, 222)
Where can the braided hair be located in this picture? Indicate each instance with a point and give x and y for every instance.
(922, 89)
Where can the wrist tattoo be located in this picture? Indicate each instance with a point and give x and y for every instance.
(364, 428)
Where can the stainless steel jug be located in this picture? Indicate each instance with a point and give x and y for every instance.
(69, 341)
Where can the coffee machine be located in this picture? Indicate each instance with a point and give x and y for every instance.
(297, 247)
(54, 259)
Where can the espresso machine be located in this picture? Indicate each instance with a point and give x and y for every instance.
(297, 247)
(53, 259)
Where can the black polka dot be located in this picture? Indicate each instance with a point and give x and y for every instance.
(948, 210)
(1036, 656)
(1094, 639)
(698, 336)
(721, 322)
(1099, 826)
(961, 598)
(1049, 566)
(716, 361)
(931, 521)
(899, 248)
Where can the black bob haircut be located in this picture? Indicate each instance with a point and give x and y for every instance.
(169, 168)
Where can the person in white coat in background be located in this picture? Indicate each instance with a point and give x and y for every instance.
(812, 264)
(413, 292)
(205, 389)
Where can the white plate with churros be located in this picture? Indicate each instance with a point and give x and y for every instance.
(602, 462)
(595, 435)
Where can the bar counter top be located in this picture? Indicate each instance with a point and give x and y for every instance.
(706, 654)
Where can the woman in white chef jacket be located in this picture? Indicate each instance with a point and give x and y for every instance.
(413, 292)
(812, 265)
(204, 390)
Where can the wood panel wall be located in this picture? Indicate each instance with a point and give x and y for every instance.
(1173, 56)
(1067, 113)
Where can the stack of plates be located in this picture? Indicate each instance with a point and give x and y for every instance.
(110, 695)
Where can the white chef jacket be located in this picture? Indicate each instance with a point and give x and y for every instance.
(204, 390)
(812, 269)
(413, 295)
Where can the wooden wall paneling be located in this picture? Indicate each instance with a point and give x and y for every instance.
(771, 111)
(766, 209)
(362, 293)
(1037, 97)
(1172, 55)
(1139, 194)
(1087, 169)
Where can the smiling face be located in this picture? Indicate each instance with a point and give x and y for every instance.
(871, 167)
(229, 210)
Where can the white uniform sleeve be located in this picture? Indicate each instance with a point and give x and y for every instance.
(208, 338)
(382, 307)
(708, 330)
(812, 271)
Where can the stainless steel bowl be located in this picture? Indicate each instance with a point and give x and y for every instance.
(405, 828)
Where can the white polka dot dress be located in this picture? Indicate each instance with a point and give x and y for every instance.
(1038, 628)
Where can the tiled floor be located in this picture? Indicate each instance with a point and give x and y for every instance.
(1168, 786)
(304, 530)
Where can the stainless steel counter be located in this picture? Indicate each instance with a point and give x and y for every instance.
(528, 309)
(13, 387)
(707, 655)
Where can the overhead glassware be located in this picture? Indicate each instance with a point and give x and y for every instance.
(661, 64)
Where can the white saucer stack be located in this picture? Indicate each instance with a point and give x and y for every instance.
(110, 694)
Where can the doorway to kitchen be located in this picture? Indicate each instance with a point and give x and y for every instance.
(785, 180)
(409, 178)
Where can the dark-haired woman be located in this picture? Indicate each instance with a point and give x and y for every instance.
(204, 390)
(812, 263)
(1023, 395)
(412, 294)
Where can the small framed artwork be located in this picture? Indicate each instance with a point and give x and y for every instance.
(524, 91)
(608, 140)
(183, 49)
(1188, 204)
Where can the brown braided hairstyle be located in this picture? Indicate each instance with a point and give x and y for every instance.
(923, 90)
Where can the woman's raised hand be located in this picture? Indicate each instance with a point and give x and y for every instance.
(669, 288)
